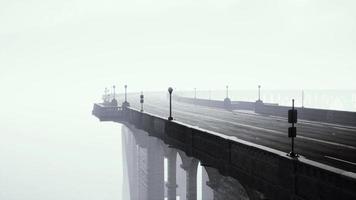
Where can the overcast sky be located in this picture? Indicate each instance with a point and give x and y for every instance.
(81, 46)
(56, 57)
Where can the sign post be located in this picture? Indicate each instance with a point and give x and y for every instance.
(141, 101)
(292, 131)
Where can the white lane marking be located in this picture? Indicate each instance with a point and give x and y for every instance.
(327, 142)
(344, 129)
(264, 129)
(278, 118)
(341, 160)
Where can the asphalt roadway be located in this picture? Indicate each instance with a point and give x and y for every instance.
(331, 144)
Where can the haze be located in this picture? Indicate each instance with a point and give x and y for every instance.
(81, 46)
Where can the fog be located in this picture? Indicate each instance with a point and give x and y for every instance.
(56, 57)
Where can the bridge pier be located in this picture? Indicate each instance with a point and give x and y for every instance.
(155, 169)
(172, 171)
(190, 166)
(145, 164)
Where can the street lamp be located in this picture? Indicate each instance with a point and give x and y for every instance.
(259, 92)
(302, 98)
(170, 90)
(113, 87)
(227, 91)
(125, 104)
(106, 99)
(125, 93)
(195, 93)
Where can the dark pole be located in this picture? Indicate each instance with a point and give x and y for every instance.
(302, 98)
(170, 90)
(141, 101)
(227, 91)
(292, 154)
(292, 131)
(259, 92)
(106, 94)
(125, 93)
(114, 90)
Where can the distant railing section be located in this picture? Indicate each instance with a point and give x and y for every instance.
(312, 114)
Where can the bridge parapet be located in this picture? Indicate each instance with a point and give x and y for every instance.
(321, 115)
(107, 112)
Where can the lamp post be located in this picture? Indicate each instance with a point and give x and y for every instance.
(113, 87)
(195, 93)
(259, 92)
(125, 93)
(170, 90)
(302, 98)
(227, 91)
(106, 99)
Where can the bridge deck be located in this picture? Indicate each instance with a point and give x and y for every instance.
(330, 144)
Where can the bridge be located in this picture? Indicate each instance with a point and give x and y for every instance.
(250, 146)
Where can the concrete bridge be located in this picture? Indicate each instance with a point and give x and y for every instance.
(270, 173)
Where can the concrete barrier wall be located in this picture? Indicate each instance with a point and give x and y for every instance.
(201, 102)
(320, 115)
(328, 116)
(270, 171)
(106, 113)
(242, 105)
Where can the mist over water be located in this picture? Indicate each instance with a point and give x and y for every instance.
(59, 152)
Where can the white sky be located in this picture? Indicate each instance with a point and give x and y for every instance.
(81, 46)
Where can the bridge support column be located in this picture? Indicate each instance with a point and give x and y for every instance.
(155, 169)
(172, 171)
(190, 165)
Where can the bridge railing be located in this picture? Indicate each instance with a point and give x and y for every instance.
(313, 114)
(107, 112)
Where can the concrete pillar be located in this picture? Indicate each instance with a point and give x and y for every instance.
(172, 179)
(190, 165)
(155, 169)
(207, 192)
(130, 154)
(181, 179)
(145, 166)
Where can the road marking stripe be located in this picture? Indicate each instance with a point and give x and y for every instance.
(341, 160)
